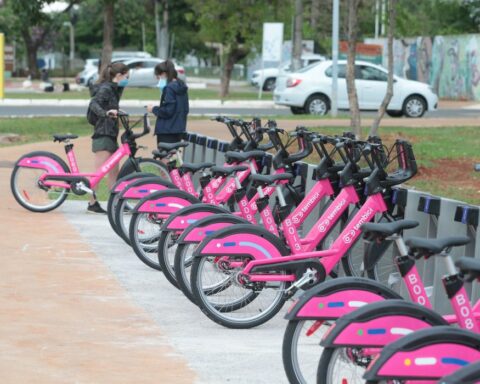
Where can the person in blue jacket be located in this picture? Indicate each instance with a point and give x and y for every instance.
(173, 109)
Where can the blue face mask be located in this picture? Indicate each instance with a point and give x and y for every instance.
(123, 83)
(162, 83)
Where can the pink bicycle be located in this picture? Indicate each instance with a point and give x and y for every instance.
(41, 181)
(263, 272)
(348, 351)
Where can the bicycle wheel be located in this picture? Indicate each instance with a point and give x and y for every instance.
(144, 236)
(148, 216)
(174, 227)
(129, 198)
(167, 247)
(155, 167)
(183, 266)
(342, 365)
(134, 165)
(123, 217)
(183, 259)
(301, 348)
(238, 304)
(114, 197)
(25, 186)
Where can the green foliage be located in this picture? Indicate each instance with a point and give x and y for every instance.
(434, 17)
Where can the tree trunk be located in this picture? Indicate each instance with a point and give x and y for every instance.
(108, 17)
(355, 122)
(297, 36)
(157, 28)
(164, 35)
(388, 96)
(233, 56)
(31, 54)
(315, 14)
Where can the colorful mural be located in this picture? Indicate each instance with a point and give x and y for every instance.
(450, 64)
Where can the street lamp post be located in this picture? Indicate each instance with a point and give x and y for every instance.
(71, 56)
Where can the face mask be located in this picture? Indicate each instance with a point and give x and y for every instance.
(162, 83)
(123, 83)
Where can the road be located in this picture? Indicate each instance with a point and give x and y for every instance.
(37, 110)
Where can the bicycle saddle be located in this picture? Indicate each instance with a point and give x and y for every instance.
(469, 267)
(243, 156)
(61, 138)
(172, 146)
(225, 171)
(429, 247)
(387, 229)
(191, 167)
(264, 180)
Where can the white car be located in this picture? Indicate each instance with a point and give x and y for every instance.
(268, 76)
(310, 89)
(141, 72)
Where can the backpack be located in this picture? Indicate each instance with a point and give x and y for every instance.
(92, 118)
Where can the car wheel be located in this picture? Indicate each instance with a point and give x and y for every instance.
(395, 113)
(297, 110)
(269, 84)
(317, 105)
(414, 106)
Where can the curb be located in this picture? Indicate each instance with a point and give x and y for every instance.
(256, 104)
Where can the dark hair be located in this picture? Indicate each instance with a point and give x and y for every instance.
(166, 67)
(112, 70)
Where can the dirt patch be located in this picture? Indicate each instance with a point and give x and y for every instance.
(452, 175)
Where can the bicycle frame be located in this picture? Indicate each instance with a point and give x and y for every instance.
(54, 180)
(265, 256)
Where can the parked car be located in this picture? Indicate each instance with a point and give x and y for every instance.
(269, 75)
(309, 90)
(141, 72)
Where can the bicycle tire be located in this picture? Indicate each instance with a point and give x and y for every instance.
(302, 369)
(125, 206)
(135, 165)
(150, 165)
(23, 201)
(184, 260)
(167, 245)
(114, 197)
(146, 249)
(219, 312)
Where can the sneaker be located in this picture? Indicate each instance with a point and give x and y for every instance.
(95, 208)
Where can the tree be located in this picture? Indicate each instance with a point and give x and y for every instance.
(25, 20)
(108, 18)
(355, 123)
(235, 25)
(388, 96)
(297, 36)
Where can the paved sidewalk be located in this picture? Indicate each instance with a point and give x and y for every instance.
(64, 317)
(77, 307)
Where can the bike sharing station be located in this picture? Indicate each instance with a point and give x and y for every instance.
(161, 220)
(437, 216)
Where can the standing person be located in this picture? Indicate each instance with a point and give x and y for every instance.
(173, 109)
(102, 113)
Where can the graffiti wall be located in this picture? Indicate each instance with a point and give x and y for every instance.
(450, 64)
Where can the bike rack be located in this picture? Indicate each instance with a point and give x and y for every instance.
(469, 216)
(189, 151)
(222, 147)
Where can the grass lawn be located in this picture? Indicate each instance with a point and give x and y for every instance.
(445, 156)
(244, 93)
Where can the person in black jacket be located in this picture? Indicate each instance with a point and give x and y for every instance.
(173, 109)
(106, 94)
